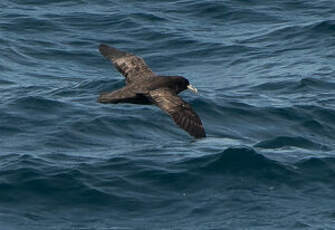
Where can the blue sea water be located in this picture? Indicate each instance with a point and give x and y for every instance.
(265, 71)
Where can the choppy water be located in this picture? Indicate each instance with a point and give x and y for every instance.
(266, 75)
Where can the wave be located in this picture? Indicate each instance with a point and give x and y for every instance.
(289, 32)
(115, 180)
(294, 87)
(284, 141)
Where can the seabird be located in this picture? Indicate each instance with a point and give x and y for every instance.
(143, 86)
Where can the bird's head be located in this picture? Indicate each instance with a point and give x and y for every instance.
(183, 83)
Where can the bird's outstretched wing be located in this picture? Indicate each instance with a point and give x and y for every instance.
(179, 110)
(132, 67)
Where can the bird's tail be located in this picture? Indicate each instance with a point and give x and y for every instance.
(108, 98)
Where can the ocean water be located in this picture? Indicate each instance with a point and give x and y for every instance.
(265, 71)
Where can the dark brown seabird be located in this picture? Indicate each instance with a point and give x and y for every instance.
(145, 87)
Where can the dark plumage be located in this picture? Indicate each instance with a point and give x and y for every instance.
(145, 87)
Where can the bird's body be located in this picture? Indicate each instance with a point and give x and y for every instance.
(145, 87)
(135, 93)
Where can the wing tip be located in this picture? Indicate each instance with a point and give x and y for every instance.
(200, 134)
(197, 133)
(104, 49)
(111, 52)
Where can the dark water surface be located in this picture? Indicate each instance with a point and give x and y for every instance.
(266, 75)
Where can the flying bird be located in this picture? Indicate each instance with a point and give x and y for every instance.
(143, 86)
